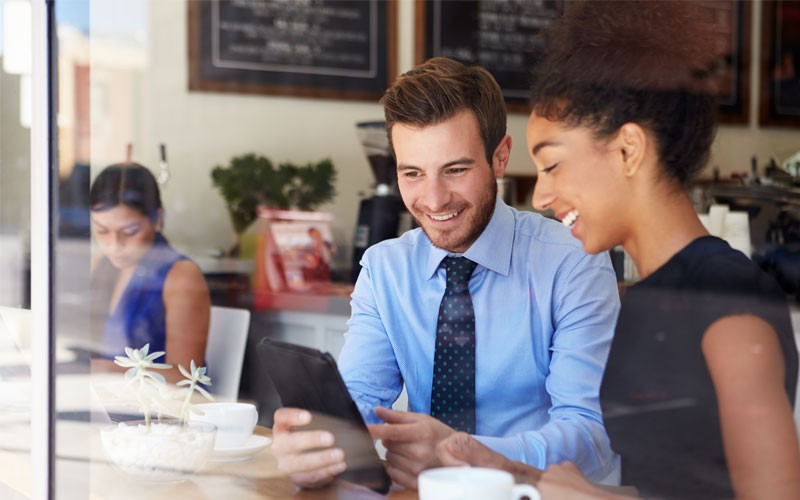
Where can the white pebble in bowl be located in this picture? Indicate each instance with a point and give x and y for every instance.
(167, 451)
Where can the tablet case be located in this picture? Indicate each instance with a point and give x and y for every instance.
(309, 379)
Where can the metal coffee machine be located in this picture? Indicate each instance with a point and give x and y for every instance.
(772, 202)
(379, 216)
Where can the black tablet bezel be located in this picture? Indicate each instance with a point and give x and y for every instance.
(308, 378)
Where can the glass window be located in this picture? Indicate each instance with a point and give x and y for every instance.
(15, 246)
(229, 228)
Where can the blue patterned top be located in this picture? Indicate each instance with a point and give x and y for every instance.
(139, 317)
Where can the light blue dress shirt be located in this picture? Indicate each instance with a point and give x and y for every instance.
(544, 317)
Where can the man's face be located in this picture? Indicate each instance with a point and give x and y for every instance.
(445, 180)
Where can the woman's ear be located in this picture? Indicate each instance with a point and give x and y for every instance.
(633, 143)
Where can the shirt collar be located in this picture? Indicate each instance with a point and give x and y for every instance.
(491, 250)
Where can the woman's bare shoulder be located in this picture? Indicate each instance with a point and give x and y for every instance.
(184, 276)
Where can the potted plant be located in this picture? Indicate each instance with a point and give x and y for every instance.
(249, 181)
(170, 447)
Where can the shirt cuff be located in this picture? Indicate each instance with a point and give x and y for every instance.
(512, 448)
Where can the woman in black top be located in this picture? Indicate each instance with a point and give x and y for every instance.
(698, 391)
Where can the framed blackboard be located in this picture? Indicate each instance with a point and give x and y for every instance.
(505, 37)
(340, 49)
(731, 33)
(780, 63)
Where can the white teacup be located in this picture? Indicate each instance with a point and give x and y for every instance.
(234, 421)
(472, 483)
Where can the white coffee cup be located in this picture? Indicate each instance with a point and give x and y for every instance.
(472, 483)
(716, 219)
(234, 421)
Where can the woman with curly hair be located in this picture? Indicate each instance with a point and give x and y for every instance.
(698, 390)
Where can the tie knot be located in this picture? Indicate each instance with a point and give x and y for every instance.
(459, 270)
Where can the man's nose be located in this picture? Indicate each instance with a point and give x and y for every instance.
(437, 194)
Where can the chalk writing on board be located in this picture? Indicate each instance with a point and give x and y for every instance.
(335, 38)
(315, 48)
(503, 37)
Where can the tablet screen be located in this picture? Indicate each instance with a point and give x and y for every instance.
(309, 379)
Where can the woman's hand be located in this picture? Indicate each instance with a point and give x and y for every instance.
(566, 481)
(461, 449)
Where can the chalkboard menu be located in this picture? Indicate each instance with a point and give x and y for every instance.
(314, 48)
(506, 38)
(502, 36)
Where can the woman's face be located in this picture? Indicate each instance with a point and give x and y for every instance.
(580, 179)
(123, 234)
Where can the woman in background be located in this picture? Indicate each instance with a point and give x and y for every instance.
(698, 390)
(144, 292)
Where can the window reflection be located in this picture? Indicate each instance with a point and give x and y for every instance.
(15, 334)
(123, 91)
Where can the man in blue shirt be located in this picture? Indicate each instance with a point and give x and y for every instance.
(544, 310)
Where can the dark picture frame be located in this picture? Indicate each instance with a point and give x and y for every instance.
(732, 28)
(780, 63)
(505, 38)
(333, 49)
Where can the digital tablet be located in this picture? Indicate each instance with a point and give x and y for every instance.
(309, 379)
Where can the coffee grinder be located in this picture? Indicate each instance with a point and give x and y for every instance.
(379, 215)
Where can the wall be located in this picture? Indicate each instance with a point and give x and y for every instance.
(206, 129)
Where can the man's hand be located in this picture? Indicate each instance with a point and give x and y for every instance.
(306, 457)
(410, 440)
(461, 449)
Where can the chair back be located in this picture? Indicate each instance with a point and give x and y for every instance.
(15, 327)
(227, 338)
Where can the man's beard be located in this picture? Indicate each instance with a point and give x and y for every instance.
(476, 224)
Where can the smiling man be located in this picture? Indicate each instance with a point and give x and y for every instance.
(496, 320)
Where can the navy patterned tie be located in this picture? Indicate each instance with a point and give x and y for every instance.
(453, 391)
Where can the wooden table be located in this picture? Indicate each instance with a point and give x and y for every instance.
(83, 471)
(257, 478)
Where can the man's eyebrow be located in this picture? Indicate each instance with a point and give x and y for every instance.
(407, 167)
(460, 161)
(543, 144)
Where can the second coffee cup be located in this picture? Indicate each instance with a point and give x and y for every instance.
(234, 421)
(472, 483)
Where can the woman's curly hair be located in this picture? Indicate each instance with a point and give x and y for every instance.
(646, 62)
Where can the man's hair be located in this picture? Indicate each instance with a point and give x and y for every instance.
(440, 88)
(650, 63)
(128, 184)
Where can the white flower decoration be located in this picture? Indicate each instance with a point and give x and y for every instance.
(193, 378)
(152, 393)
(140, 362)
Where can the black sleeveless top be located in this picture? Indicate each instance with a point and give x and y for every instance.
(658, 400)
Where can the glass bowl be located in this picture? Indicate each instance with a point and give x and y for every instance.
(168, 450)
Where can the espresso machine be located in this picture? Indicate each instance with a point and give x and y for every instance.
(772, 202)
(379, 216)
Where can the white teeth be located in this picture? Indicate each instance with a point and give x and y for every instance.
(444, 217)
(570, 218)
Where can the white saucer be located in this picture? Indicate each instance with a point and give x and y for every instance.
(240, 453)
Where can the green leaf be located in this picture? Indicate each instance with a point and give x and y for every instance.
(250, 180)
